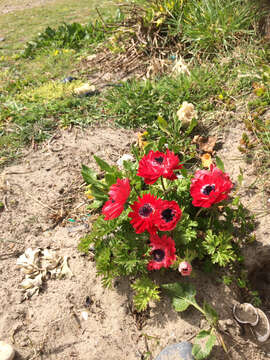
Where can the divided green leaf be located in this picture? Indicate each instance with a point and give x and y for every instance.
(182, 295)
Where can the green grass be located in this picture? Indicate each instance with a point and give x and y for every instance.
(30, 22)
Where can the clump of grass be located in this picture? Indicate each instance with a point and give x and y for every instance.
(197, 28)
(68, 36)
(209, 26)
(138, 102)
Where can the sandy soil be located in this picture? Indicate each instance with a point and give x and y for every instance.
(7, 6)
(40, 195)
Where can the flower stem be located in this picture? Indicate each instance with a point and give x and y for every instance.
(163, 185)
(198, 212)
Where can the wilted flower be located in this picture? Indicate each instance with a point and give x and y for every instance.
(163, 252)
(186, 113)
(185, 268)
(125, 157)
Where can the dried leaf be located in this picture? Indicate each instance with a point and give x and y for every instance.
(205, 144)
(65, 270)
(180, 67)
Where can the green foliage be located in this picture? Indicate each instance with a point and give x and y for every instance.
(183, 295)
(145, 291)
(119, 251)
(203, 351)
(219, 247)
(137, 103)
(68, 36)
(209, 26)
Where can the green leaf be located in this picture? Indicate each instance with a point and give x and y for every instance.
(103, 165)
(89, 176)
(192, 125)
(240, 177)
(96, 204)
(163, 125)
(184, 172)
(98, 193)
(182, 295)
(202, 351)
(220, 164)
(161, 143)
(210, 313)
(146, 290)
(110, 179)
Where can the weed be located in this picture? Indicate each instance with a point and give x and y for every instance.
(67, 36)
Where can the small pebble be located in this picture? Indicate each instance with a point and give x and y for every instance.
(2, 39)
(84, 315)
(182, 350)
(6, 351)
(68, 79)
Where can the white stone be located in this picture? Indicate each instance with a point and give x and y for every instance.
(6, 351)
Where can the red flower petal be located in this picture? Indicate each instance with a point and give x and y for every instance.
(163, 252)
(112, 209)
(120, 191)
(172, 163)
(157, 164)
(168, 215)
(143, 215)
(210, 187)
(151, 166)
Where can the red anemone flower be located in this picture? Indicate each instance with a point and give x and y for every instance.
(168, 215)
(156, 164)
(163, 252)
(151, 166)
(119, 194)
(210, 187)
(143, 215)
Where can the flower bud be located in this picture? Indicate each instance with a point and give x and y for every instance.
(185, 268)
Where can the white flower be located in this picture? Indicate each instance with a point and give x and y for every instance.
(125, 157)
(186, 113)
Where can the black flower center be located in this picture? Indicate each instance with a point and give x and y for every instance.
(167, 215)
(146, 210)
(158, 255)
(159, 159)
(112, 201)
(206, 189)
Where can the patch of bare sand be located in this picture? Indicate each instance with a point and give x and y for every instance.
(40, 194)
(7, 6)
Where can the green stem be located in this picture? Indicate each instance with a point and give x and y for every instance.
(198, 212)
(163, 185)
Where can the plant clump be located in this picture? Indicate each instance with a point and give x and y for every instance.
(158, 214)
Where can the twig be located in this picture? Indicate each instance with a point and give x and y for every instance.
(41, 203)
(101, 18)
(5, 202)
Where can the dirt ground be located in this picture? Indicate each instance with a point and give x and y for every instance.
(42, 195)
(6, 6)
